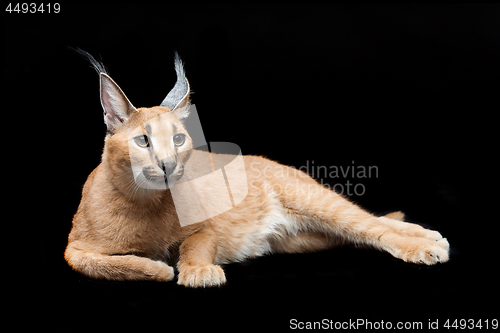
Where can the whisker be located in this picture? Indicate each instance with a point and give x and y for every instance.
(138, 187)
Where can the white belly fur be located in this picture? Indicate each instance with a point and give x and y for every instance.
(277, 224)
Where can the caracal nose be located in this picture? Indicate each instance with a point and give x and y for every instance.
(168, 167)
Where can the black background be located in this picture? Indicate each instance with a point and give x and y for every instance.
(411, 89)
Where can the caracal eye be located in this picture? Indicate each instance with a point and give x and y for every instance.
(179, 139)
(142, 141)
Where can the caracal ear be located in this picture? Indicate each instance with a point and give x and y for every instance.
(177, 99)
(117, 107)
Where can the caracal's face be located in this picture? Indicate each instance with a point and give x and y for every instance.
(153, 148)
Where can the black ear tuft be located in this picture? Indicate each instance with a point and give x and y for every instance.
(97, 65)
(117, 107)
(179, 95)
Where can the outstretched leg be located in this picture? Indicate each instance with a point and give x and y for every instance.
(115, 267)
(322, 210)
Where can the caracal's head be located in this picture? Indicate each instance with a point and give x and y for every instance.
(145, 149)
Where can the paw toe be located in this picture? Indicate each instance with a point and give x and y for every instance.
(443, 243)
(433, 235)
(165, 273)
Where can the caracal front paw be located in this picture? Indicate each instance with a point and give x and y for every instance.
(195, 276)
(424, 251)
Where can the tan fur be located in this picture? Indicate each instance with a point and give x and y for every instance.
(122, 233)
